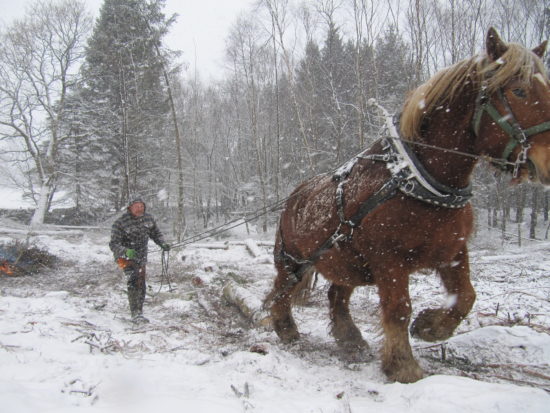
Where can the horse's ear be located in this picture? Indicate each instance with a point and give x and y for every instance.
(495, 46)
(540, 49)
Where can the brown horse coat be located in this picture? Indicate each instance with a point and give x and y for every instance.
(449, 114)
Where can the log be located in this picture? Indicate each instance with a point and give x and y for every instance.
(212, 246)
(253, 248)
(248, 304)
(40, 232)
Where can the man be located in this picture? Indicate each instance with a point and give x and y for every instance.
(129, 237)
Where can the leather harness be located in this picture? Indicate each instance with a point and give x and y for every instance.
(409, 176)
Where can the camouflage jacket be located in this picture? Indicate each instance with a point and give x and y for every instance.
(134, 232)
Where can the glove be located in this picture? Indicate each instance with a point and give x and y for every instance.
(131, 253)
(165, 247)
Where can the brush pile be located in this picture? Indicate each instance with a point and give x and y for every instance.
(19, 258)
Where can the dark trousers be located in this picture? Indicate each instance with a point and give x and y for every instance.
(135, 276)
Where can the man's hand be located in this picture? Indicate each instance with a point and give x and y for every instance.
(165, 247)
(131, 253)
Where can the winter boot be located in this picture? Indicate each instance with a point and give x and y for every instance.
(140, 319)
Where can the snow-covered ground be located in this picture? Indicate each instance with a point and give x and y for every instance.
(66, 344)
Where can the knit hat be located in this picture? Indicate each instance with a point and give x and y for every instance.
(135, 201)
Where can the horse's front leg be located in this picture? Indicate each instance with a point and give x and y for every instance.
(436, 324)
(398, 362)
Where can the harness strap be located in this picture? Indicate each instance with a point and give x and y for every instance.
(407, 176)
(389, 190)
(534, 130)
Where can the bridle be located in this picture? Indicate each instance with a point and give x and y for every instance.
(510, 125)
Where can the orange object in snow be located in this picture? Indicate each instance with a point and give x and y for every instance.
(6, 268)
(123, 263)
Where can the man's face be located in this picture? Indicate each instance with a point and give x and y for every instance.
(137, 209)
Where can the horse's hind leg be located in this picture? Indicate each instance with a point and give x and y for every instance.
(436, 324)
(343, 329)
(286, 284)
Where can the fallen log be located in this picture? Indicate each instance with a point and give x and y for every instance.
(31, 232)
(253, 248)
(212, 246)
(248, 304)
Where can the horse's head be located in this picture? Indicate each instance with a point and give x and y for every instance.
(512, 115)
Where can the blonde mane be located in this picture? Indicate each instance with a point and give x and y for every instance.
(517, 62)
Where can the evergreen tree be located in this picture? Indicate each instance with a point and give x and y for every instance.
(124, 100)
(336, 83)
(394, 72)
(309, 85)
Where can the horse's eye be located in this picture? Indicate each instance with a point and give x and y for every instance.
(520, 93)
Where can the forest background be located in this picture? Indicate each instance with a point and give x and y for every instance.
(94, 113)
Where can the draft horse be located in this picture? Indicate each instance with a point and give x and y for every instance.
(402, 205)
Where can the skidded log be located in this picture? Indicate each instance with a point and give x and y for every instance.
(248, 304)
(253, 248)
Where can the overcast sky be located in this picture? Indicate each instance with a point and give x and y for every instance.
(199, 32)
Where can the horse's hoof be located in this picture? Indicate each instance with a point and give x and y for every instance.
(433, 325)
(355, 352)
(405, 374)
(286, 330)
(288, 335)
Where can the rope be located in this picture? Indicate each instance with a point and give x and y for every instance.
(165, 260)
(232, 224)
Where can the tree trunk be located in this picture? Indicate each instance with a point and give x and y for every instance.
(520, 203)
(180, 224)
(534, 213)
(545, 205)
(42, 205)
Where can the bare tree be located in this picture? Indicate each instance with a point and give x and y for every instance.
(38, 60)
(250, 56)
(278, 12)
(370, 17)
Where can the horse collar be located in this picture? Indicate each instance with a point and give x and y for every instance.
(414, 180)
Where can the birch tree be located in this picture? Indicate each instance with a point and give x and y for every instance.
(38, 60)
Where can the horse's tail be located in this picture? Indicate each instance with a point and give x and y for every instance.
(302, 292)
(300, 275)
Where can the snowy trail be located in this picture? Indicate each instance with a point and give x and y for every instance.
(65, 344)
